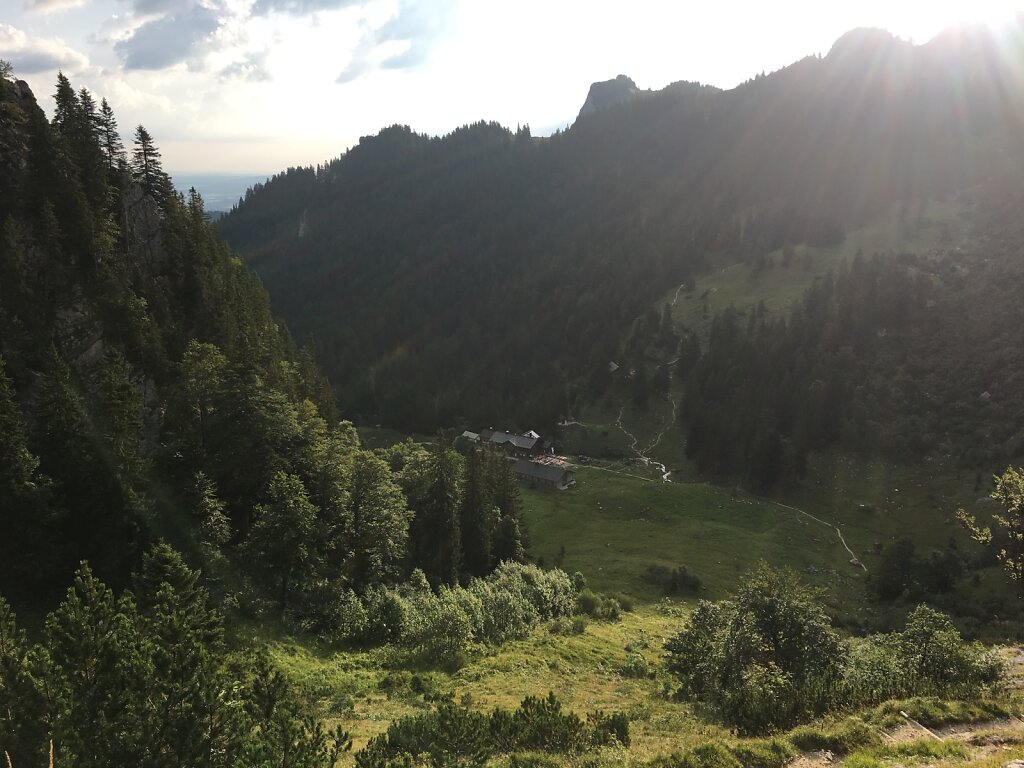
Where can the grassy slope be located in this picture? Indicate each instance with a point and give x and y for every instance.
(621, 519)
(612, 527)
(738, 285)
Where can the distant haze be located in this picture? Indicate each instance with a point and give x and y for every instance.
(220, 191)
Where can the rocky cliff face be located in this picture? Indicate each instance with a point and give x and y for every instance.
(608, 93)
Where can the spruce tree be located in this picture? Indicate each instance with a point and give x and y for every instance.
(214, 524)
(110, 139)
(102, 675)
(477, 519)
(435, 530)
(146, 167)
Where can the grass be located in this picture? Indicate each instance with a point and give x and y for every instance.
(737, 284)
(909, 752)
(614, 526)
(621, 518)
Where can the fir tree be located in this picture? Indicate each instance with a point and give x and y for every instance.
(146, 167)
(110, 139)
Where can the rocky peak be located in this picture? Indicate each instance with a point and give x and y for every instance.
(608, 93)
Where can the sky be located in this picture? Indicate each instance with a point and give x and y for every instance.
(256, 86)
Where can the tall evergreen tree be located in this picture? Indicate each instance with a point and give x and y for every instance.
(110, 139)
(147, 169)
(435, 528)
(476, 518)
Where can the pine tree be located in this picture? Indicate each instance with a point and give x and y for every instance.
(119, 409)
(66, 104)
(17, 464)
(24, 515)
(185, 639)
(476, 518)
(435, 529)
(93, 504)
(23, 707)
(110, 139)
(214, 524)
(147, 169)
(101, 674)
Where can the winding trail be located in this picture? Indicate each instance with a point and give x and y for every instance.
(665, 473)
(836, 528)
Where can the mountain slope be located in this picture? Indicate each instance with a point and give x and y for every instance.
(487, 276)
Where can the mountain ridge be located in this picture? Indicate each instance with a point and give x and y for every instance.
(588, 227)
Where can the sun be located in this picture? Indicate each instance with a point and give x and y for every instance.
(923, 20)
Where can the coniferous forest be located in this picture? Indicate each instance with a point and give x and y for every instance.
(488, 275)
(238, 528)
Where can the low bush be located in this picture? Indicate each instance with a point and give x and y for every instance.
(770, 658)
(608, 729)
(635, 666)
(709, 756)
(598, 606)
(674, 581)
(452, 734)
(934, 712)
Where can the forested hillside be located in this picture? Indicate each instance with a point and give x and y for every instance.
(148, 396)
(900, 355)
(146, 391)
(488, 275)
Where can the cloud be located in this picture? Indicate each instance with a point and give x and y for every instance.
(51, 6)
(35, 55)
(403, 42)
(169, 39)
(252, 67)
(301, 7)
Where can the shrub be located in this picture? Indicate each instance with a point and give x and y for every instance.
(551, 593)
(635, 666)
(505, 614)
(531, 760)
(677, 581)
(598, 606)
(442, 630)
(386, 616)
(608, 728)
(765, 658)
(540, 724)
(709, 756)
(935, 712)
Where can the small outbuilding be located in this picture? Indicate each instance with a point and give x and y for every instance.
(544, 474)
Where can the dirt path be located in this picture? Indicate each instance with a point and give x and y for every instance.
(642, 455)
(982, 740)
(836, 528)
